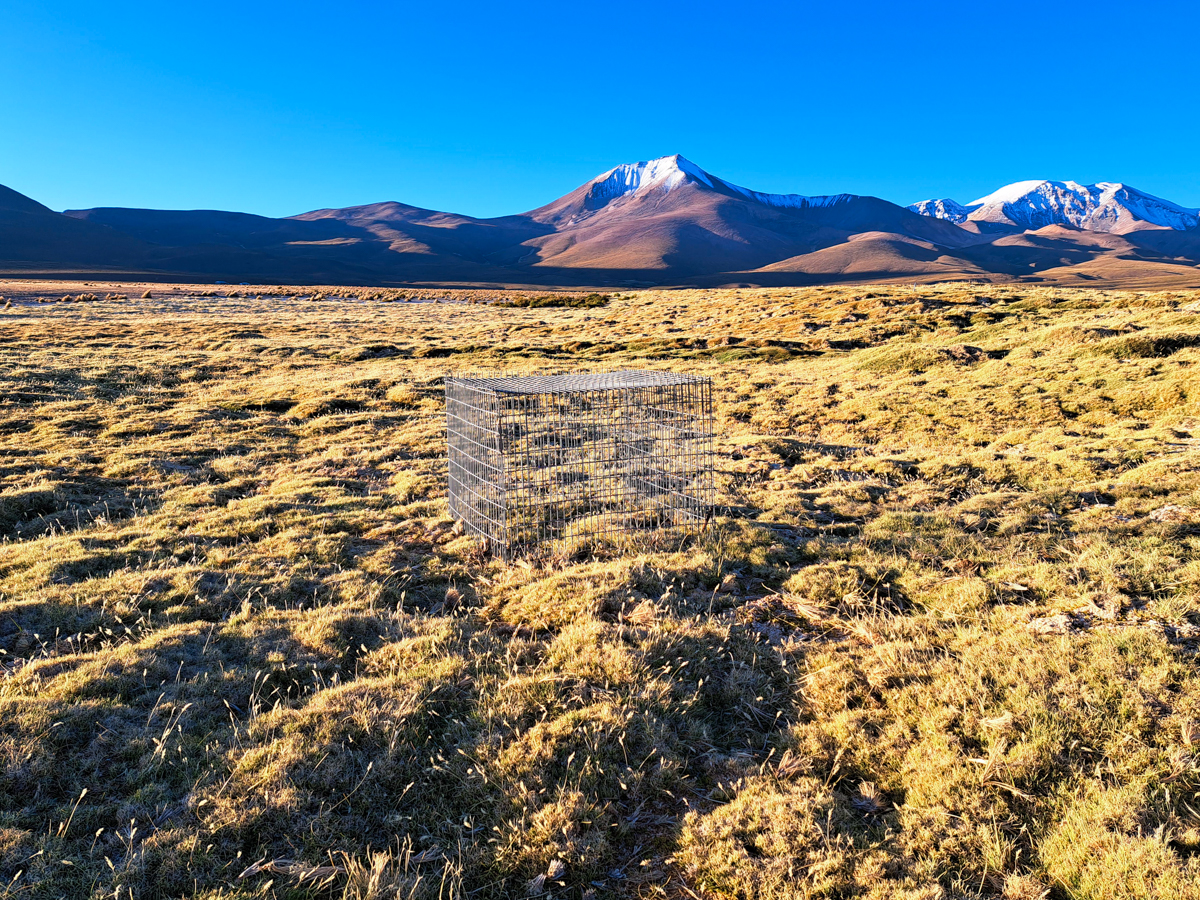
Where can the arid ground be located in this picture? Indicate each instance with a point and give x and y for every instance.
(940, 644)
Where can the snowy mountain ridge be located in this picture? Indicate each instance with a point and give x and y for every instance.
(943, 209)
(669, 172)
(1105, 206)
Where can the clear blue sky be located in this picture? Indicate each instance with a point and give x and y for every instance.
(492, 108)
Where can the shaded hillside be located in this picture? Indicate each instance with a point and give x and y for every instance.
(35, 238)
(315, 247)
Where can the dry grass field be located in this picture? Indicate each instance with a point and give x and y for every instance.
(941, 643)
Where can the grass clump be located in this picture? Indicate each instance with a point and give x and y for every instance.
(556, 301)
(1145, 346)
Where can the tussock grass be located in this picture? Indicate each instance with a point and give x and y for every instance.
(940, 644)
(588, 301)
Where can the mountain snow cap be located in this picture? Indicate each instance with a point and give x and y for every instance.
(669, 172)
(666, 172)
(947, 209)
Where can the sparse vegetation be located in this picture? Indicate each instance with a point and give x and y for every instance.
(562, 301)
(942, 643)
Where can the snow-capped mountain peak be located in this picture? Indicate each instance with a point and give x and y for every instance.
(1104, 206)
(664, 173)
(943, 209)
(669, 172)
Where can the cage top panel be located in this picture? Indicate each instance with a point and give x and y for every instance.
(576, 383)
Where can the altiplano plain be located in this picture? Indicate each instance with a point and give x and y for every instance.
(941, 643)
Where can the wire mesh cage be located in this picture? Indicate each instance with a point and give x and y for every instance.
(537, 459)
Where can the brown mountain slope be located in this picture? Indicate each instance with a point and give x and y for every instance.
(874, 255)
(320, 246)
(1111, 271)
(437, 232)
(1053, 247)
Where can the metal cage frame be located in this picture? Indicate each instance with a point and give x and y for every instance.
(535, 459)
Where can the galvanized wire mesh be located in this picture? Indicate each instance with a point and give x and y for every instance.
(536, 459)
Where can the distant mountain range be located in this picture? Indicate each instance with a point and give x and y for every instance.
(1107, 206)
(663, 222)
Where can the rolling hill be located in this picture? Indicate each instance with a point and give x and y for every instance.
(664, 222)
(36, 239)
